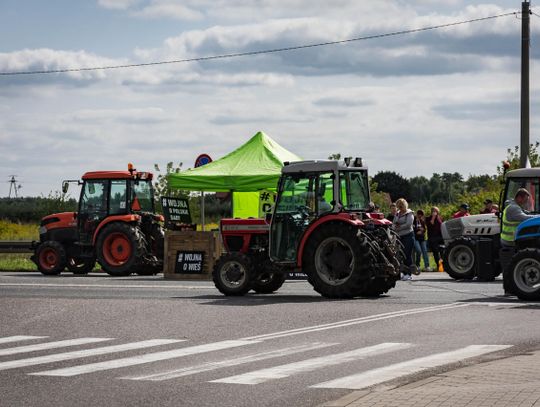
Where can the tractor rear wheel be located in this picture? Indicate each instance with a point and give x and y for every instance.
(233, 274)
(459, 259)
(120, 249)
(525, 275)
(80, 266)
(378, 287)
(51, 258)
(336, 261)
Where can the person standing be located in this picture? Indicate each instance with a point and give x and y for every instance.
(393, 211)
(489, 207)
(403, 225)
(420, 244)
(513, 215)
(463, 211)
(435, 239)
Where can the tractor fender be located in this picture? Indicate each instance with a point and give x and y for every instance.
(115, 218)
(528, 229)
(343, 218)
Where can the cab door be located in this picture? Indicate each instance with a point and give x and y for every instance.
(93, 208)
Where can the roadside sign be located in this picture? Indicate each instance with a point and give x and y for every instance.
(175, 211)
(202, 159)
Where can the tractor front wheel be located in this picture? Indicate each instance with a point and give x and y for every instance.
(233, 274)
(336, 261)
(51, 258)
(525, 275)
(120, 249)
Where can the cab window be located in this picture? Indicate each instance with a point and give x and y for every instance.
(117, 201)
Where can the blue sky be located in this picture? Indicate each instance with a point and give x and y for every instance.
(439, 101)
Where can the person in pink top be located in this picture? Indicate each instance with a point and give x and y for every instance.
(463, 211)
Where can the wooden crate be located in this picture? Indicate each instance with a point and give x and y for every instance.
(186, 240)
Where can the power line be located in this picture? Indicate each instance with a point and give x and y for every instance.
(268, 51)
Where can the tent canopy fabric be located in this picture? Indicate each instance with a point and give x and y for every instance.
(254, 166)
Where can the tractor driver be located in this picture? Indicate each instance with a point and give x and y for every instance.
(513, 215)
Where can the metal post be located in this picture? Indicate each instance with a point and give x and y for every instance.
(202, 210)
(525, 45)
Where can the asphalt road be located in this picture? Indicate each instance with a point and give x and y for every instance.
(143, 341)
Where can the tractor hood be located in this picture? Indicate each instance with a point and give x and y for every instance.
(474, 225)
(59, 220)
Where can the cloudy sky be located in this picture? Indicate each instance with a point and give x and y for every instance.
(436, 101)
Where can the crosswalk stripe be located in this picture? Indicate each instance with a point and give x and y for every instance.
(50, 345)
(57, 357)
(18, 338)
(279, 372)
(209, 366)
(146, 358)
(384, 374)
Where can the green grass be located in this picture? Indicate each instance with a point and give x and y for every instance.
(16, 262)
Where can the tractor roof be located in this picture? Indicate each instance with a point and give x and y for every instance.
(524, 173)
(116, 175)
(320, 166)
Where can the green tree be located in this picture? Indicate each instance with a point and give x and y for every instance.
(392, 183)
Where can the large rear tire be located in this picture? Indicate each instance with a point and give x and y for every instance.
(336, 261)
(459, 259)
(233, 274)
(525, 275)
(51, 258)
(120, 249)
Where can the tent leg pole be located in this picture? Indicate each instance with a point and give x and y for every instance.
(202, 210)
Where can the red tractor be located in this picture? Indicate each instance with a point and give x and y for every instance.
(116, 225)
(322, 225)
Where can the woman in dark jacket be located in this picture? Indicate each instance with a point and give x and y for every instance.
(435, 240)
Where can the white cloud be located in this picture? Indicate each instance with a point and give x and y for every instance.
(118, 4)
(168, 10)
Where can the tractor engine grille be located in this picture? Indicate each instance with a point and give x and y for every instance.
(452, 229)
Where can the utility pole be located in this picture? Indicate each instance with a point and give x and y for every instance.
(13, 186)
(525, 46)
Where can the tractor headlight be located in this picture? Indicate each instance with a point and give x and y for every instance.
(452, 229)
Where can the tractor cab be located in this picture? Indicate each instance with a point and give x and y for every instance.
(310, 190)
(528, 178)
(110, 196)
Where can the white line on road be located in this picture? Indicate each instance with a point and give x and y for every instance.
(206, 367)
(57, 357)
(356, 321)
(384, 374)
(50, 345)
(146, 358)
(168, 287)
(279, 372)
(18, 338)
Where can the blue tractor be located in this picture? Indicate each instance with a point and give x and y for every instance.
(522, 265)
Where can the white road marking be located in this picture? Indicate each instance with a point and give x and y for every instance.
(50, 345)
(356, 321)
(384, 374)
(146, 358)
(279, 372)
(206, 367)
(168, 287)
(57, 357)
(18, 338)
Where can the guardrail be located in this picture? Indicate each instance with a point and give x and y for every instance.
(15, 246)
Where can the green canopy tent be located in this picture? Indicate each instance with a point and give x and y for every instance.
(251, 168)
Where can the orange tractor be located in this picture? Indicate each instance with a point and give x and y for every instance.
(116, 225)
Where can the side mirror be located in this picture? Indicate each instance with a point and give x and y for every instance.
(65, 187)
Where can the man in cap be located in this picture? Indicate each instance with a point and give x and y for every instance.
(463, 211)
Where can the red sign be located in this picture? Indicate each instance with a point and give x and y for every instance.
(203, 159)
